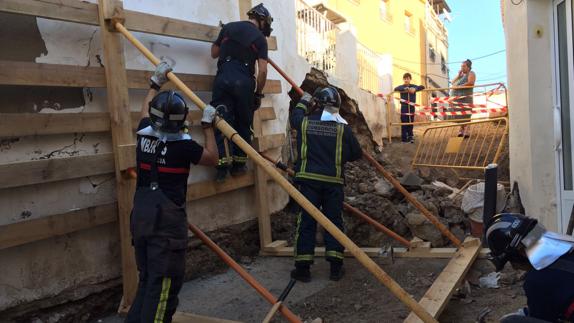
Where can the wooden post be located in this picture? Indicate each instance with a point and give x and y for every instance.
(244, 6)
(121, 128)
(261, 201)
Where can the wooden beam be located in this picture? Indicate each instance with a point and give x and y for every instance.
(23, 232)
(438, 295)
(87, 13)
(122, 134)
(265, 143)
(262, 207)
(205, 189)
(244, 6)
(32, 124)
(182, 317)
(435, 253)
(55, 169)
(40, 74)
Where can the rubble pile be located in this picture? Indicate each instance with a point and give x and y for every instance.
(368, 191)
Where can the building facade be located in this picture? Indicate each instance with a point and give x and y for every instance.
(407, 34)
(539, 42)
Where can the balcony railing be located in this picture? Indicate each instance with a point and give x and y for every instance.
(367, 63)
(316, 38)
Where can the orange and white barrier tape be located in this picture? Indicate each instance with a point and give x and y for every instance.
(456, 113)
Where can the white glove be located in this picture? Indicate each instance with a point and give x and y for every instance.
(159, 76)
(306, 97)
(208, 114)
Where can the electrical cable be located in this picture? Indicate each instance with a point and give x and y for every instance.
(457, 62)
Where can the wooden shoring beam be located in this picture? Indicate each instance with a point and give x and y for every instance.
(23, 232)
(438, 295)
(182, 317)
(59, 169)
(41, 74)
(87, 13)
(277, 249)
(55, 169)
(33, 124)
(117, 96)
(15, 234)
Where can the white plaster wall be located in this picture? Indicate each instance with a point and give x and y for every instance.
(532, 158)
(46, 268)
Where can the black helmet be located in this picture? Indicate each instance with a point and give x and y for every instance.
(504, 235)
(168, 111)
(327, 96)
(260, 13)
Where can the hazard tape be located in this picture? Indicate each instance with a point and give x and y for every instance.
(449, 99)
(456, 113)
(454, 105)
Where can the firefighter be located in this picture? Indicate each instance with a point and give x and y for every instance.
(164, 154)
(548, 259)
(325, 143)
(238, 47)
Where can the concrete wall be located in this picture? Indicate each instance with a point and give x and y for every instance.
(82, 260)
(532, 156)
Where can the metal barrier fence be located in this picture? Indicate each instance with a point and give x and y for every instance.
(442, 147)
(316, 37)
(435, 105)
(367, 63)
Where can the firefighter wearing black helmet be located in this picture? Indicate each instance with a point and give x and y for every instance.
(548, 259)
(164, 154)
(238, 47)
(325, 143)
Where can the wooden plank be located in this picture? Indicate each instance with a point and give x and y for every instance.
(262, 207)
(182, 317)
(23, 232)
(127, 156)
(33, 124)
(209, 188)
(265, 143)
(435, 253)
(55, 169)
(277, 244)
(87, 13)
(438, 295)
(122, 134)
(40, 74)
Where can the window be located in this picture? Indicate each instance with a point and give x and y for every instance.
(385, 10)
(443, 64)
(432, 54)
(409, 23)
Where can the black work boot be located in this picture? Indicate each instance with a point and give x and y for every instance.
(302, 273)
(238, 169)
(221, 174)
(337, 271)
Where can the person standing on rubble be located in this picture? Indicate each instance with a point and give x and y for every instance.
(408, 95)
(158, 226)
(547, 257)
(238, 47)
(325, 143)
(465, 77)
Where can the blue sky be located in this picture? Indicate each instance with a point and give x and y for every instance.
(476, 30)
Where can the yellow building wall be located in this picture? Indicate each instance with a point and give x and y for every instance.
(388, 36)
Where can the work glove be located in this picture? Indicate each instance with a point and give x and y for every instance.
(208, 115)
(159, 77)
(306, 98)
(257, 101)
